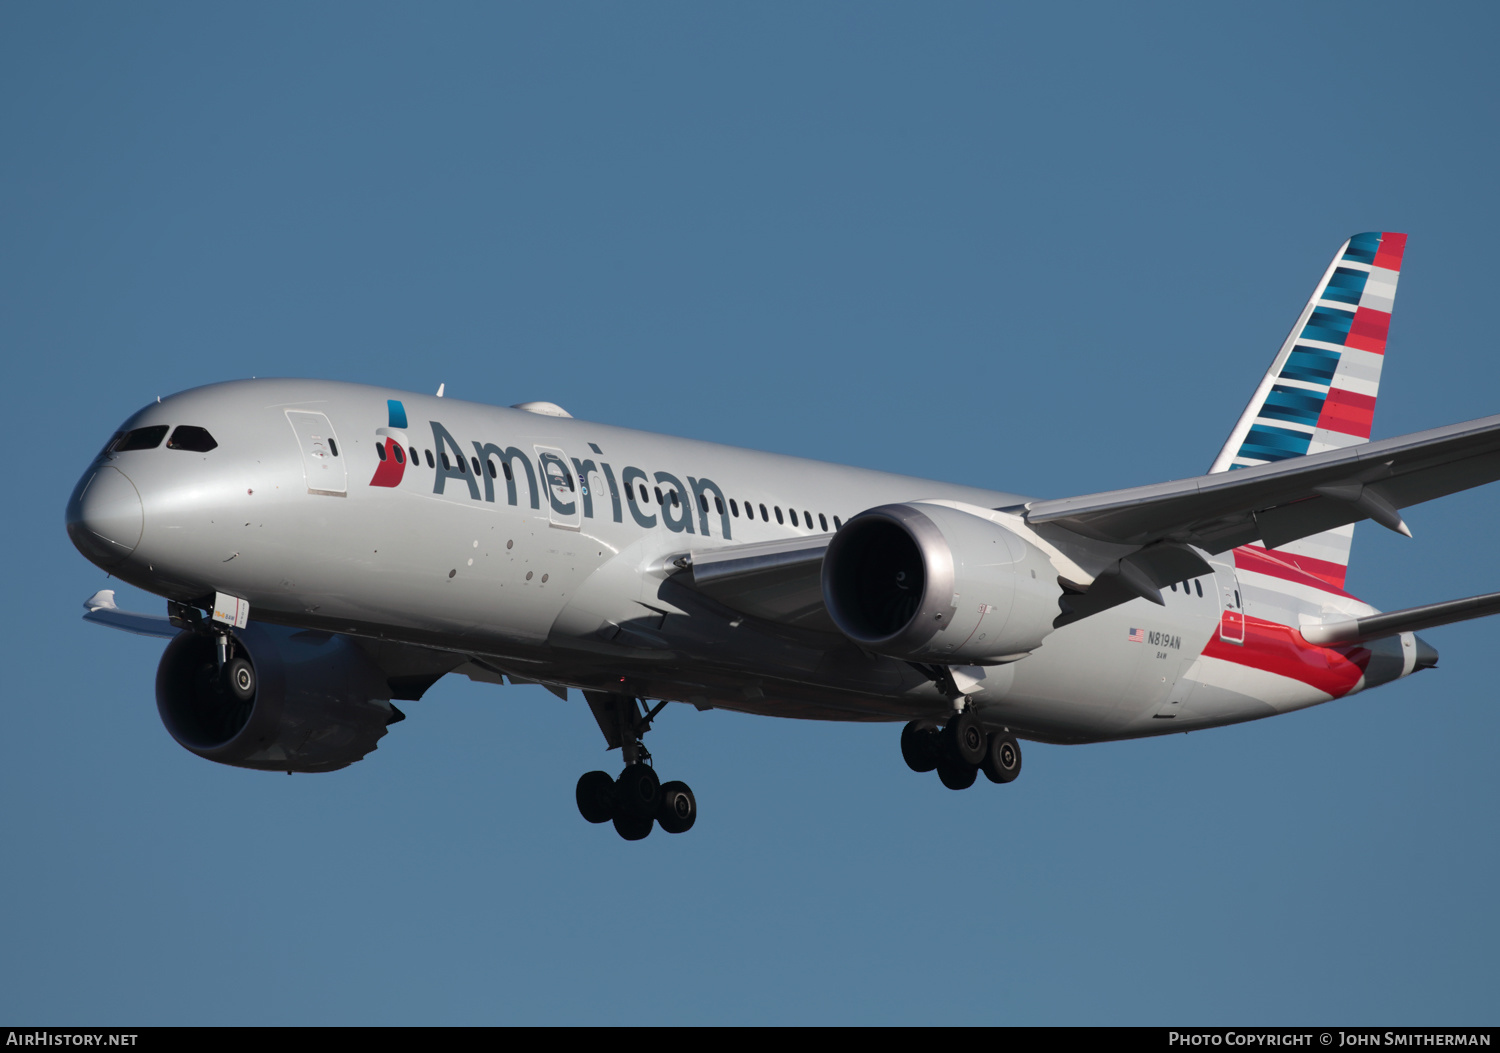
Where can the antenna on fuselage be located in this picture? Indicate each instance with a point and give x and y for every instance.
(440, 390)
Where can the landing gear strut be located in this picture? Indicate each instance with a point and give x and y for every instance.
(637, 799)
(960, 751)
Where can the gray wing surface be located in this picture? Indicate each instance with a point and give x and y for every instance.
(1285, 500)
(777, 581)
(101, 610)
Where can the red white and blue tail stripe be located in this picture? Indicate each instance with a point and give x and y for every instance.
(1320, 391)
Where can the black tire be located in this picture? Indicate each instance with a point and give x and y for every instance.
(632, 827)
(678, 810)
(239, 679)
(919, 747)
(637, 792)
(596, 796)
(965, 739)
(1002, 761)
(956, 775)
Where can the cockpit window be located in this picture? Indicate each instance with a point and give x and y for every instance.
(192, 438)
(142, 439)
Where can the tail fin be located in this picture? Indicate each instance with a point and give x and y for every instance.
(1319, 393)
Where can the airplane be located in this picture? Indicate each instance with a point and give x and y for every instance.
(329, 549)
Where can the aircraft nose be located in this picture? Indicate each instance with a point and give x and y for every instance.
(105, 517)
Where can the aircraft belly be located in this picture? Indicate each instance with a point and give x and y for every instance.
(1074, 683)
(1229, 692)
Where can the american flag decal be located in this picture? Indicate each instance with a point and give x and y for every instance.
(1137, 635)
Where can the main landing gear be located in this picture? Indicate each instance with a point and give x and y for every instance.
(960, 751)
(636, 800)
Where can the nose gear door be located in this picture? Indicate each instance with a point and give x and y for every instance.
(564, 504)
(321, 463)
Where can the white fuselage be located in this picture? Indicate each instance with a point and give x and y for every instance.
(526, 576)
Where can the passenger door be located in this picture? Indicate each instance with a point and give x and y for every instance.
(321, 463)
(564, 503)
(1232, 620)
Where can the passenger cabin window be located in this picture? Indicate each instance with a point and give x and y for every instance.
(837, 525)
(142, 439)
(429, 460)
(778, 515)
(380, 450)
(400, 456)
(763, 514)
(194, 439)
(475, 462)
(333, 445)
(823, 522)
(793, 513)
(734, 508)
(1199, 586)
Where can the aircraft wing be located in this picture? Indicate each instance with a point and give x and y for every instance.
(101, 610)
(1285, 500)
(777, 581)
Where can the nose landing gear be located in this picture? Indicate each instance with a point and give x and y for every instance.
(637, 799)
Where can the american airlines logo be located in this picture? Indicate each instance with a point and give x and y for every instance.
(551, 479)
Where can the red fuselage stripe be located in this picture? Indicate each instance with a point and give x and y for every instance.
(1305, 570)
(1280, 649)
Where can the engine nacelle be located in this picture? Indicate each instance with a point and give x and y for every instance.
(313, 701)
(929, 583)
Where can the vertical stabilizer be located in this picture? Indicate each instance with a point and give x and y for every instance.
(1319, 393)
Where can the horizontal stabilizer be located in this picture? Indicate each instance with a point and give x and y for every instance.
(101, 610)
(1358, 630)
(1282, 501)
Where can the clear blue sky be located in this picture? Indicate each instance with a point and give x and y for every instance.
(1046, 252)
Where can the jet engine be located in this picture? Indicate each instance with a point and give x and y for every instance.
(931, 583)
(285, 700)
